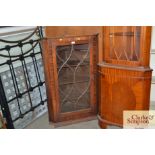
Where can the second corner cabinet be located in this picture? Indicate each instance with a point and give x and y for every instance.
(124, 75)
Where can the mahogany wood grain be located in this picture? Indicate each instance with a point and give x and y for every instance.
(75, 31)
(124, 77)
(123, 89)
(51, 74)
(122, 80)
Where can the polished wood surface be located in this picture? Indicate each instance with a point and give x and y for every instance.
(51, 74)
(125, 75)
(71, 31)
(122, 88)
(75, 31)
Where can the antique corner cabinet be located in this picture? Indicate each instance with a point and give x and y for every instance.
(100, 71)
(70, 59)
(124, 75)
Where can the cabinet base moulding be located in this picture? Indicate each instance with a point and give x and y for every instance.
(104, 123)
(71, 122)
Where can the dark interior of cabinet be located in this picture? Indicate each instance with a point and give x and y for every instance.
(73, 67)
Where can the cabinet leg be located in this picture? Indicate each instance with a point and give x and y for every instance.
(102, 125)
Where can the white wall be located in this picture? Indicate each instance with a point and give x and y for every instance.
(152, 64)
(153, 38)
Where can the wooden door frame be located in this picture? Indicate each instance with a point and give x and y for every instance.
(50, 45)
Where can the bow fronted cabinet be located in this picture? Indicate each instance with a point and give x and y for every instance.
(96, 71)
(124, 75)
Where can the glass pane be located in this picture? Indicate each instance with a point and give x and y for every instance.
(74, 77)
(125, 42)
